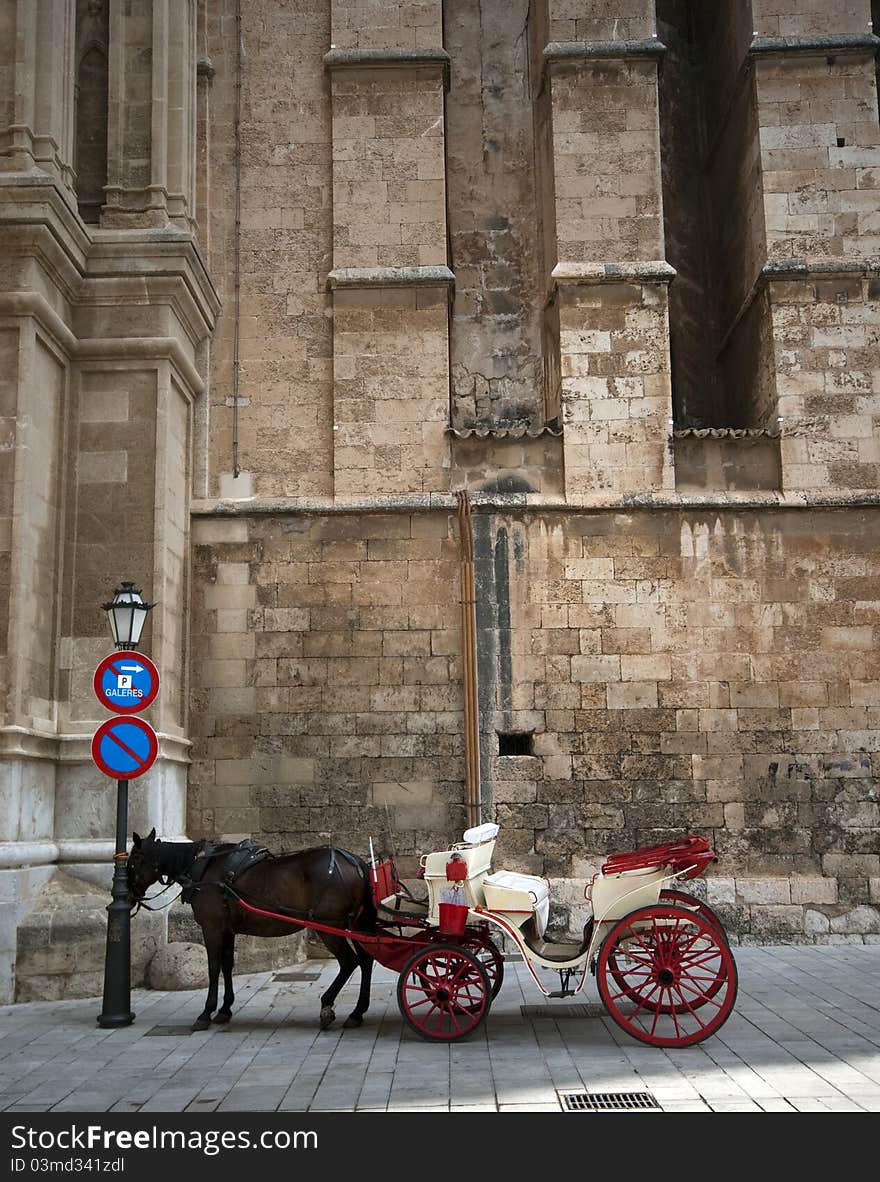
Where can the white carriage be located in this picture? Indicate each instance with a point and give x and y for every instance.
(663, 965)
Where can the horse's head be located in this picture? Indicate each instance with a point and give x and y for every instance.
(143, 865)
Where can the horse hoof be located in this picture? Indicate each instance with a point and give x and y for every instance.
(328, 1017)
(352, 1022)
(220, 1019)
(201, 1024)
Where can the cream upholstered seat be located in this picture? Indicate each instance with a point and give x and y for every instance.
(520, 896)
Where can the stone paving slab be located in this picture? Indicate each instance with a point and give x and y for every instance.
(804, 1037)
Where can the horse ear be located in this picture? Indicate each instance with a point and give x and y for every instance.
(151, 836)
(137, 838)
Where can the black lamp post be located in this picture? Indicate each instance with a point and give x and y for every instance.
(127, 613)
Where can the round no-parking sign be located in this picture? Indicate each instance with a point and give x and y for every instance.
(124, 748)
(126, 682)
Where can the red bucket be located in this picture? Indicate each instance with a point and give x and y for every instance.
(453, 919)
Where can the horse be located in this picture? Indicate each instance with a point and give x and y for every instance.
(325, 884)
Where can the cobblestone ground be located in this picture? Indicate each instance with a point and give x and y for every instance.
(804, 1036)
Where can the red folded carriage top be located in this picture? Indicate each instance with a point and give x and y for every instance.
(687, 851)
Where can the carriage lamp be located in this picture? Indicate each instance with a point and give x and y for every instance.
(127, 613)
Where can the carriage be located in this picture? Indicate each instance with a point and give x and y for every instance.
(662, 962)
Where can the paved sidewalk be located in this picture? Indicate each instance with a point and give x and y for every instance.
(804, 1036)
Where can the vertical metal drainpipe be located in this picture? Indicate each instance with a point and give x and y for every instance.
(469, 660)
(236, 307)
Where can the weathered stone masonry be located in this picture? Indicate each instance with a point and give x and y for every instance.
(611, 268)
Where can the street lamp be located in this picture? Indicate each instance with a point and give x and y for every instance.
(127, 613)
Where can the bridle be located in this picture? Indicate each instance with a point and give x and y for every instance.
(144, 903)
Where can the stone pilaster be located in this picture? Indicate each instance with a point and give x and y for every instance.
(390, 279)
(816, 91)
(152, 105)
(36, 95)
(99, 334)
(608, 301)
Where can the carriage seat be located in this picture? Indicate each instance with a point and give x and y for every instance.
(523, 894)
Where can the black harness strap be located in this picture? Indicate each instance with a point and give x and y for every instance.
(240, 858)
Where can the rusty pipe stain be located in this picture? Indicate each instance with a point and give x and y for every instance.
(469, 659)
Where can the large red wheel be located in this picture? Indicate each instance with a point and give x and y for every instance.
(643, 990)
(683, 899)
(667, 976)
(444, 992)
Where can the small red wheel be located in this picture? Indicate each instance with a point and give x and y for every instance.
(658, 968)
(444, 992)
(485, 950)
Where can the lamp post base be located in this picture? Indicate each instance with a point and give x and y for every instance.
(110, 1020)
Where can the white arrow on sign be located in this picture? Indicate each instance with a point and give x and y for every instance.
(131, 668)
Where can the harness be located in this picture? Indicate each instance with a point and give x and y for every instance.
(239, 857)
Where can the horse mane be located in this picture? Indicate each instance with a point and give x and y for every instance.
(176, 856)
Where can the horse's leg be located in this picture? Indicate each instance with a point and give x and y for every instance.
(213, 946)
(356, 1017)
(227, 959)
(339, 946)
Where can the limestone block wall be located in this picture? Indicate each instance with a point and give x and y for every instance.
(36, 388)
(594, 20)
(391, 390)
(494, 223)
(705, 671)
(676, 670)
(386, 24)
(285, 413)
(608, 297)
(388, 171)
(616, 400)
(800, 18)
(326, 681)
(820, 145)
(820, 150)
(389, 277)
(827, 332)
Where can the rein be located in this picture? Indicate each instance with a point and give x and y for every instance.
(145, 903)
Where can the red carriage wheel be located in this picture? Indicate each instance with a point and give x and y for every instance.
(683, 899)
(444, 992)
(485, 950)
(489, 956)
(667, 976)
(643, 990)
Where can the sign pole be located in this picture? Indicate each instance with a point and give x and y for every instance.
(116, 1007)
(123, 748)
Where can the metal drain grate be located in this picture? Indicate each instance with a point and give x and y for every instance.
(167, 1031)
(294, 976)
(563, 1012)
(608, 1102)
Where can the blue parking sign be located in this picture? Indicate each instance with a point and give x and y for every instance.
(126, 682)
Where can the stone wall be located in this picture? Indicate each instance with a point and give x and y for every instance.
(713, 672)
(678, 653)
(327, 684)
(494, 227)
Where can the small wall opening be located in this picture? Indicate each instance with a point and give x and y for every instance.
(516, 742)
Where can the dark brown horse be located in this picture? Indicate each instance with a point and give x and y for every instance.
(326, 884)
